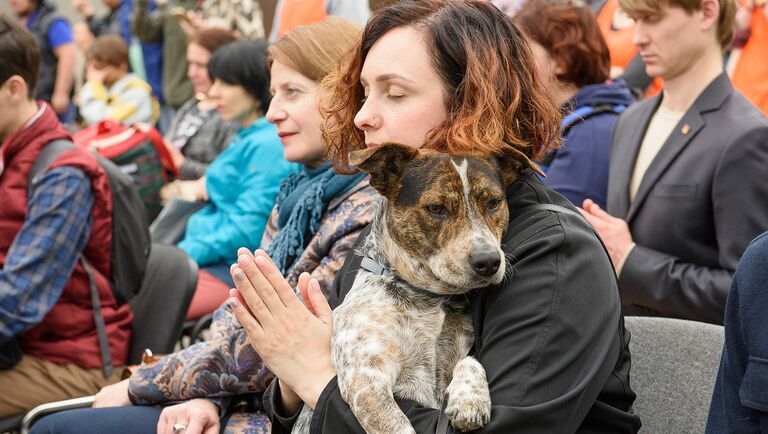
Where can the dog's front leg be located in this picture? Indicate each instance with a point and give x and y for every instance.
(468, 405)
(369, 395)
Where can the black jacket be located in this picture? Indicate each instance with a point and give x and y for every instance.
(552, 339)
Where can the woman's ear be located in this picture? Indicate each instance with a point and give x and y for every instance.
(385, 164)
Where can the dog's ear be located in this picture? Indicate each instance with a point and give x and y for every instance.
(512, 163)
(385, 164)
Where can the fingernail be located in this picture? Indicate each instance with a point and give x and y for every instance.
(239, 275)
(233, 302)
(260, 261)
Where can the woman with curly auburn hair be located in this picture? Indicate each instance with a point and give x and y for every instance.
(459, 76)
(492, 101)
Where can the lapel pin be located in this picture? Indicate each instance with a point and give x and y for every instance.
(686, 129)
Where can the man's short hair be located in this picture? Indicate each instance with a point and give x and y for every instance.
(19, 54)
(109, 49)
(725, 21)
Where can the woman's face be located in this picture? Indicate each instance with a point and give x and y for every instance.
(197, 58)
(294, 111)
(405, 97)
(232, 101)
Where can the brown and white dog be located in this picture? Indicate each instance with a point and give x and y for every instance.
(404, 329)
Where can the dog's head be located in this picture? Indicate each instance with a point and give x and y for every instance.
(445, 215)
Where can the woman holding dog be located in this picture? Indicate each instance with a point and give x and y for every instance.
(318, 217)
(458, 76)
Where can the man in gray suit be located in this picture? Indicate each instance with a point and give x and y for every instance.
(687, 185)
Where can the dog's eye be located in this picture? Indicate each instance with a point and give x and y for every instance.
(494, 204)
(438, 211)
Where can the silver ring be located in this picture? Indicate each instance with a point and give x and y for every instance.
(179, 427)
(375, 122)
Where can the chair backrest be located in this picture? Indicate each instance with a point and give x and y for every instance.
(161, 305)
(674, 366)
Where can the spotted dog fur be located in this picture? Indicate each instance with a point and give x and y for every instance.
(407, 333)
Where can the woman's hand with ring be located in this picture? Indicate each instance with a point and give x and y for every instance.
(198, 416)
(293, 340)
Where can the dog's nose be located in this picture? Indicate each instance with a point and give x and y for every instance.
(485, 262)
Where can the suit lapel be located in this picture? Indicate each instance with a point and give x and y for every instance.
(689, 126)
(623, 155)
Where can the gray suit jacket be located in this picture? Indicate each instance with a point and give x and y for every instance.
(701, 201)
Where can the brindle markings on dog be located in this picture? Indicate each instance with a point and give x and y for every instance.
(390, 338)
(468, 219)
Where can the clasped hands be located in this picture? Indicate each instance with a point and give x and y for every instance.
(292, 338)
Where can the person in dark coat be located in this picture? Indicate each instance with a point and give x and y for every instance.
(572, 57)
(739, 401)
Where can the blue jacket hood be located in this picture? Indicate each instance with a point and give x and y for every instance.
(610, 92)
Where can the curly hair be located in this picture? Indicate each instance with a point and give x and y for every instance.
(571, 36)
(495, 103)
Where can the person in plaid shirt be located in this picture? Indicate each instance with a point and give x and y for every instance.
(45, 300)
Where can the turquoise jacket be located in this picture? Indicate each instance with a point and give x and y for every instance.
(242, 184)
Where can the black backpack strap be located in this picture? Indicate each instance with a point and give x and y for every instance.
(47, 156)
(98, 318)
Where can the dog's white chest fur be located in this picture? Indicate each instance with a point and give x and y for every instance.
(377, 335)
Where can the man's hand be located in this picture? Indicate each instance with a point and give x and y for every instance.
(614, 231)
(198, 416)
(114, 395)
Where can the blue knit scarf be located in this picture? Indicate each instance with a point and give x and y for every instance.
(301, 203)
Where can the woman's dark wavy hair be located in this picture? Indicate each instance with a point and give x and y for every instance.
(495, 103)
(571, 36)
(243, 63)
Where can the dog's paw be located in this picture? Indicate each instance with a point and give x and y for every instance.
(468, 401)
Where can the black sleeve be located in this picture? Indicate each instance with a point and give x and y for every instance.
(281, 423)
(549, 338)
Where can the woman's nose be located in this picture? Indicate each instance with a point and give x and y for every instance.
(275, 113)
(365, 119)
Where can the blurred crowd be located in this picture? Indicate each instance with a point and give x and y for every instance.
(233, 119)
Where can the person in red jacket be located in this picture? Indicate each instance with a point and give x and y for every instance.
(45, 307)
